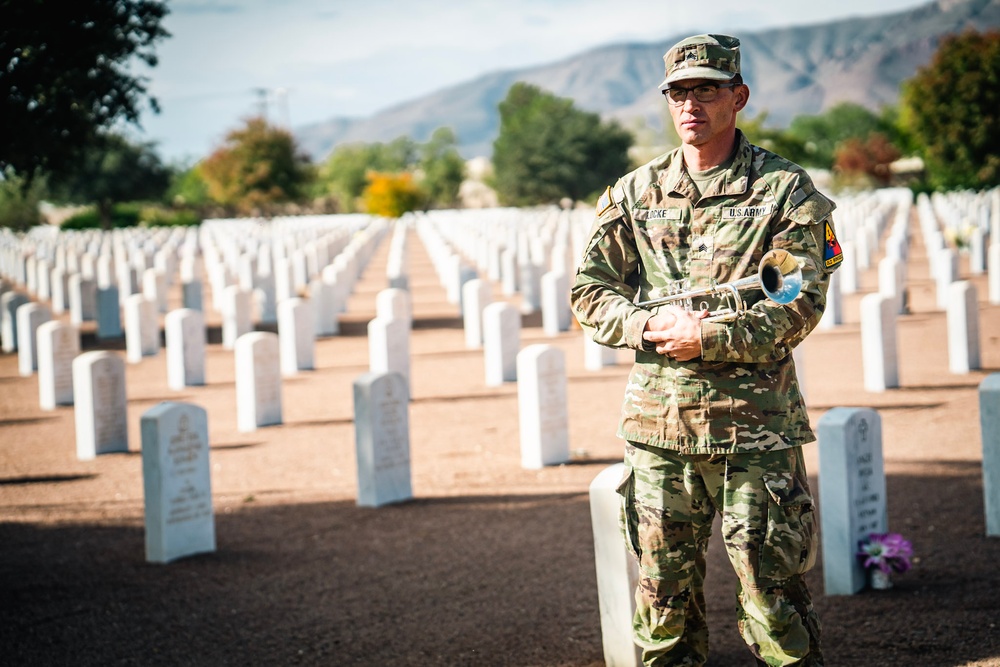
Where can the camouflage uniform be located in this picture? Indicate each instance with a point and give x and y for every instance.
(721, 432)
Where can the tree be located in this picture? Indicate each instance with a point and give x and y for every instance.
(777, 141)
(65, 77)
(345, 173)
(257, 166)
(112, 170)
(443, 168)
(866, 161)
(952, 106)
(821, 134)
(391, 195)
(547, 149)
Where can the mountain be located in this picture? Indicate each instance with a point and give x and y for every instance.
(790, 71)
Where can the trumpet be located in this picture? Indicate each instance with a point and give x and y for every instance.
(779, 277)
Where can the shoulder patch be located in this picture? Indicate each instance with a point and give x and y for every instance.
(604, 202)
(832, 254)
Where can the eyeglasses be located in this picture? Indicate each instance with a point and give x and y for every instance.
(705, 92)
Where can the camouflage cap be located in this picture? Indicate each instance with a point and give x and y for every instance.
(713, 57)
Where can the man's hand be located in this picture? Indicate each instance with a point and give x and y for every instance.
(676, 332)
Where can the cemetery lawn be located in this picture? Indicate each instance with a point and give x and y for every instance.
(490, 564)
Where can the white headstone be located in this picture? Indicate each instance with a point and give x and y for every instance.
(617, 571)
(82, 299)
(963, 327)
(597, 356)
(878, 343)
(177, 484)
(185, 336)
(297, 336)
(9, 303)
(142, 329)
(109, 319)
(989, 419)
(192, 294)
(322, 298)
(501, 342)
(542, 409)
(556, 313)
(852, 493)
(382, 439)
(29, 317)
(476, 295)
(58, 344)
(393, 303)
(99, 404)
(389, 347)
(235, 308)
(258, 381)
(946, 272)
(993, 279)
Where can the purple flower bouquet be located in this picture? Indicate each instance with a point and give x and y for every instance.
(888, 552)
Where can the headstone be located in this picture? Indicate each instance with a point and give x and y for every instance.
(833, 315)
(852, 493)
(321, 296)
(235, 309)
(192, 295)
(989, 419)
(946, 272)
(556, 313)
(99, 404)
(58, 292)
(297, 336)
(382, 439)
(109, 319)
(617, 571)
(29, 317)
(177, 483)
(963, 327)
(9, 303)
(848, 271)
(476, 295)
(142, 329)
(597, 356)
(258, 381)
(501, 342)
(878, 343)
(393, 303)
(542, 409)
(185, 335)
(82, 299)
(993, 279)
(389, 347)
(58, 344)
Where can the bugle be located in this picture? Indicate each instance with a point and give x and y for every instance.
(779, 277)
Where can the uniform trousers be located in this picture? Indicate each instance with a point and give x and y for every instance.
(669, 501)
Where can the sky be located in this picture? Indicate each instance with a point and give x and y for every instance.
(305, 61)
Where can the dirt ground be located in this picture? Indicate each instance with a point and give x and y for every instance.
(490, 564)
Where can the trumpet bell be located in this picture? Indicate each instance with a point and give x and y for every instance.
(780, 276)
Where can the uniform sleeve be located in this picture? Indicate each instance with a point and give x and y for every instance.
(768, 332)
(606, 283)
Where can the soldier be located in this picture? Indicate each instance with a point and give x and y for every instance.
(712, 417)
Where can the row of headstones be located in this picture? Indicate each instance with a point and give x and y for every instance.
(852, 498)
(175, 451)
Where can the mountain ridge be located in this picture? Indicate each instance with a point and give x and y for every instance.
(790, 70)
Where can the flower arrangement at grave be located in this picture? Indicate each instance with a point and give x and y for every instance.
(882, 554)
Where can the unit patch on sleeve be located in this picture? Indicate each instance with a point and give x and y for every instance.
(604, 202)
(832, 254)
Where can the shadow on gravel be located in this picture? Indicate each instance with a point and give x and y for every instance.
(446, 581)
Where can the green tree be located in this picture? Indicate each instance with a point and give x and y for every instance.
(821, 134)
(19, 203)
(443, 168)
(777, 141)
(112, 170)
(66, 79)
(547, 149)
(188, 188)
(345, 173)
(258, 165)
(952, 106)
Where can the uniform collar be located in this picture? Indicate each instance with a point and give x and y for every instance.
(675, 177)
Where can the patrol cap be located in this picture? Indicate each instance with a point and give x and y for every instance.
(713, 57)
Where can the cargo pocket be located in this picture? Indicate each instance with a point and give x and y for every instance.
(789, 545)
(628, 518)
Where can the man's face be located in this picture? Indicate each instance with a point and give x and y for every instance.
(701, 123)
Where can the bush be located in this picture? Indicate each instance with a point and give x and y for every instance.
(160, 217)
(122, 215)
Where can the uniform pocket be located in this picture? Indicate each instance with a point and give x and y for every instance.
(628, 518)
(790, 537)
